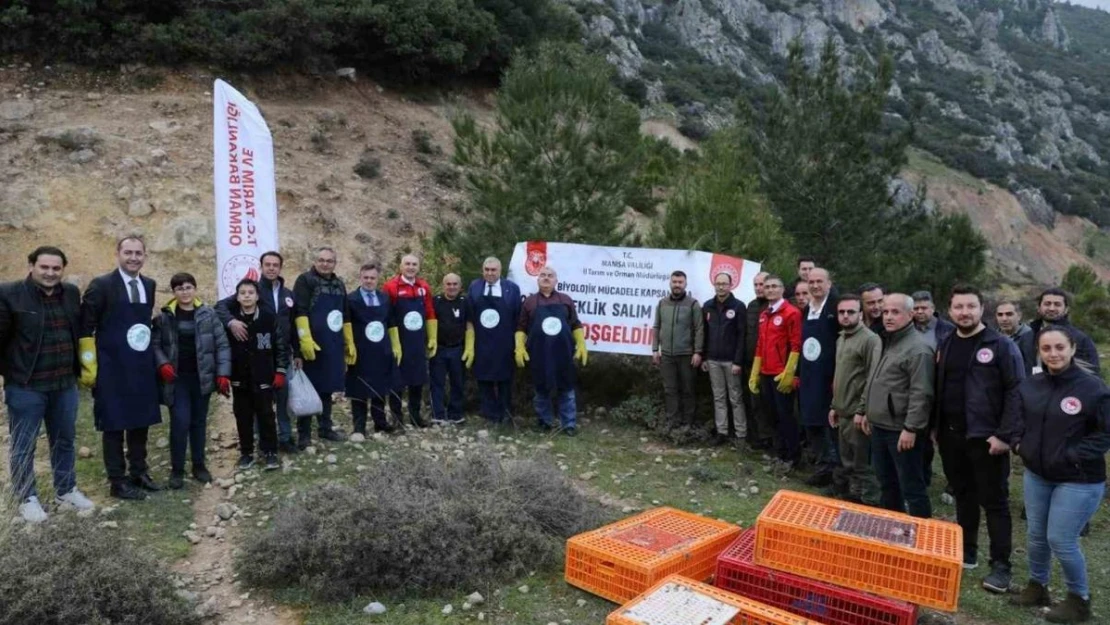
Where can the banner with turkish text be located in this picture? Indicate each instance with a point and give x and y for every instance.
(616, 289)
(243, 177)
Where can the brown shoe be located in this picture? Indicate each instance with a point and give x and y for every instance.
(1033, 595)
(1072, 609)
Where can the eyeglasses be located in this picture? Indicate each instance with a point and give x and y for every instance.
(326, 261)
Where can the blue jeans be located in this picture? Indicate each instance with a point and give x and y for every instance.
(27, 410)
(447, 364)
(1056, 512)
(566, 404)
(901, 474)
(497, 400)
(188, 422)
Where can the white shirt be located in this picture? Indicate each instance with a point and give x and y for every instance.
(127, 286)
(777, 305)
(493, 290)
(815, 313)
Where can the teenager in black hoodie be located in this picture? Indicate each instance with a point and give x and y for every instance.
(258, 367)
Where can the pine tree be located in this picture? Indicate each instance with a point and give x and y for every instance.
(564, 161)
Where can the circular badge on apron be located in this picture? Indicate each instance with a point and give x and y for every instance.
(811, 349)
(777, 320)
(288, 302)
(1071, 405)
(335, 321)
(375, 332)
(138, 337)
(490, 318)
(413, 321)
(552, 326)
(984, 356)
(729, 314)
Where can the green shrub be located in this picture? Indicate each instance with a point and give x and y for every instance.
(422, 526)
(422, 141)
(66, 571)
(368, 166)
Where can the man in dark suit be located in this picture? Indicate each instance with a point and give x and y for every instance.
(494, 312)
(275, 298)
(117, 362)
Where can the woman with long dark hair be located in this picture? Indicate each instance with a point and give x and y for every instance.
(1064, 440)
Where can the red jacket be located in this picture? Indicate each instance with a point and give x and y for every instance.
(780, 333)
(397, 288)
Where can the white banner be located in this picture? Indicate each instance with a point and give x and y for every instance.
(616, 289)
(243, 177)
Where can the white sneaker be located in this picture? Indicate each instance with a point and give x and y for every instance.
(31, 510)
(74, 499)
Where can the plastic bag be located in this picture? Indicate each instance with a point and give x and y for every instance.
(303, 399)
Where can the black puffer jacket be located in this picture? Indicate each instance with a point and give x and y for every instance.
(725, 329)
(213, 350)
(1065, 431)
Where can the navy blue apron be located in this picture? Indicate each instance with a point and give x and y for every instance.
(816, 367)
(126, 393)
(494, 327)
(325, 320)
(375, 375)
(551, 350)
(414, 340)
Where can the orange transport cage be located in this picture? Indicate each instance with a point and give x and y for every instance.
(878, 551)
(622, 560)
(677, 600)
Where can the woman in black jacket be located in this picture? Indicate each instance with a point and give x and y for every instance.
(1063, 441)
(258, 367)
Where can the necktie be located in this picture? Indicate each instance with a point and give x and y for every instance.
(489, 290)
(135, 291)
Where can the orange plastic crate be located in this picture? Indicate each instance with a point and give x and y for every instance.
(677, 600)
(882, 552)
(622, 560)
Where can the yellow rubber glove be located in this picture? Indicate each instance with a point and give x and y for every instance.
(351, 354)
(581, 354)
(87, 349)
(521, 350)
(433, 337)
(786, 378)
(395, 342)
(309, 346)
(468, 348)
(753, 379)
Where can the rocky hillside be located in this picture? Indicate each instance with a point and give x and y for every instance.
(90, 156)
(1013, 91)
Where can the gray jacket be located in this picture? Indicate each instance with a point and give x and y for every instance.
(901, 389)
(679, 327)
(213, 349)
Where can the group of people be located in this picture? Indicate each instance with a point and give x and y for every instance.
(873, 384)
(870, 384)
(372, 344)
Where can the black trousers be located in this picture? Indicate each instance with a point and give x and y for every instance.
(376, 412)
(114, 462)
(251, 404)
(978, 480)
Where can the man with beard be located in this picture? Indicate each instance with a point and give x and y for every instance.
(1007, 314)
(1052, 311)
(774, 367)
(679, 336)
(871, 294)
(977, 413)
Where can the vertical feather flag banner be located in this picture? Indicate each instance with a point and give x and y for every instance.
(245, 189)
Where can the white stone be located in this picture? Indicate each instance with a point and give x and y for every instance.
(331, 459)
(447, 609)
(475, 599)
(374, 608)
(357, 437)
(523, 589)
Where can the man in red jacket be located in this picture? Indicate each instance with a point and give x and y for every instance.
(411, 298)
(773, 368)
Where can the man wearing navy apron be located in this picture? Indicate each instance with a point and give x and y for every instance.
(276, 298)
(411, 297)
(375, 375)
(446, 368)
(815, 372)
(494, 313)
(550, 336)
(327, 341)
(116, 313)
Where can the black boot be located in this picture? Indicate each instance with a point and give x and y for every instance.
(124, 490)
(1073, 609)
(1032, 596)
